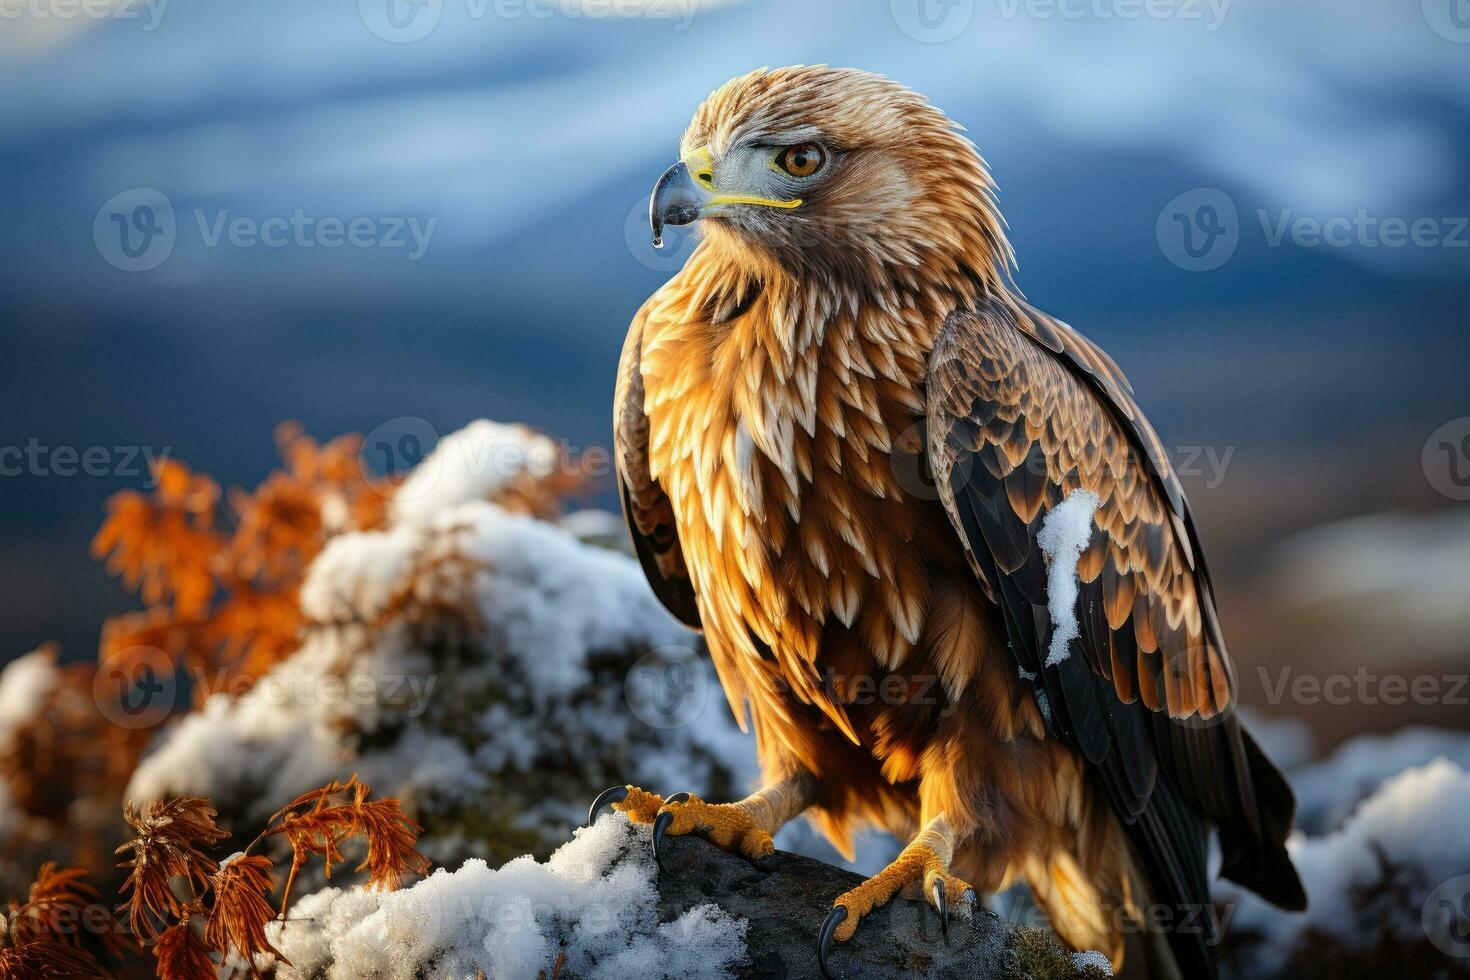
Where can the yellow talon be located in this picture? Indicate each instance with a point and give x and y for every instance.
(730, 826)
(917, 863)
(640, 805)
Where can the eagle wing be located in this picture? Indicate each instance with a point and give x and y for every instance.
(646, 508)
(1021, 412)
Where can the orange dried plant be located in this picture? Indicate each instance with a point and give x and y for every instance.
(242, 907)
(176, 885)
(164, 544)
(224, 600)
(318, 822)
(169, 842)
(43, 935)
(182, 955)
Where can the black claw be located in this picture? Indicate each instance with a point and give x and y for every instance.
(660, 824)
(678, 798)
(941, 903)
(615, 794)
(834, 919)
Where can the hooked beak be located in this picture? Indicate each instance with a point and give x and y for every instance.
(684, 195)
(677, 200)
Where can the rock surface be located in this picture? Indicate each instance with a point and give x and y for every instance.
(787, 898)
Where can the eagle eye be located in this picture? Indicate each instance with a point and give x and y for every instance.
(802, 160)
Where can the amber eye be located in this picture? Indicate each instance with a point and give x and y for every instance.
(802, 160)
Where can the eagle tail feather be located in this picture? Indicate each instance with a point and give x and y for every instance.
(1261, 863)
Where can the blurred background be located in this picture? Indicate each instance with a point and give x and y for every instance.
(396, 216)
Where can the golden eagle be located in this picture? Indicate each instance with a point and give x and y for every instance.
(938, 554)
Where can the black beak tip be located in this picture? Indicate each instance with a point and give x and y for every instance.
(675, 201)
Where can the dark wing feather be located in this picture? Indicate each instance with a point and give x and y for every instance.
(1023, 411)
(646, 508)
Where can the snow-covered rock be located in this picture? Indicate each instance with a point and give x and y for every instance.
(594, 902)
(488, 668)
(600, 902)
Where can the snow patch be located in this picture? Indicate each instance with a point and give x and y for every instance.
(1063, 537)
(1415, 820)
(24, 684)
(594, 901)
(1329, 791)
(478, 462)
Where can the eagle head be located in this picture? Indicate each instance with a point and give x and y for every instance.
(837, 171)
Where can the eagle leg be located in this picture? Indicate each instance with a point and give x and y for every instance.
(924, 861)
(745, 828)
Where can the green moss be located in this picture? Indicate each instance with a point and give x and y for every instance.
(1040, 957)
